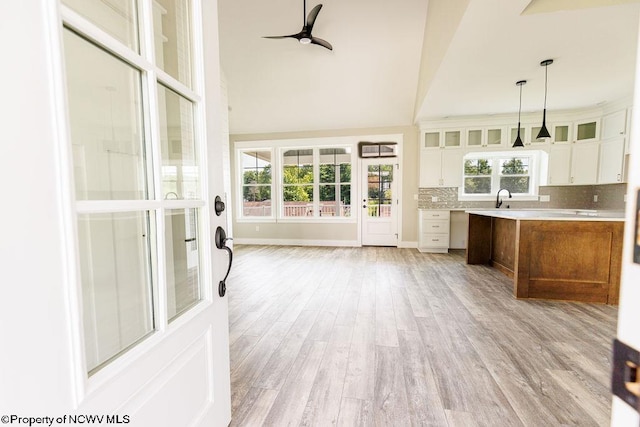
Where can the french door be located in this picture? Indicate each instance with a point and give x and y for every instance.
(379, 202)
(134, 328)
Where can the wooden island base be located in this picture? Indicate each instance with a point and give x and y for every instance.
(551, 259)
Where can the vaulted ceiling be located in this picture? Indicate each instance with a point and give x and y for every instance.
(395, 63)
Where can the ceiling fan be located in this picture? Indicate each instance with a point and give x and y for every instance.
(304, 36)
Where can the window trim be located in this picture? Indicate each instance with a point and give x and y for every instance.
(538, 161)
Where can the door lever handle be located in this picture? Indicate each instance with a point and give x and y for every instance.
(221, 243)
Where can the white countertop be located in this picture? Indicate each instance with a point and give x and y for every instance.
(551, 214)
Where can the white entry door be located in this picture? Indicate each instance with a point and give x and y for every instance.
(379, 202)
(114, 313)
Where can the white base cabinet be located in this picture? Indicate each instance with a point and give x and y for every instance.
(434, 231)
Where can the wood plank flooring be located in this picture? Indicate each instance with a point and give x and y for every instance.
(392, 337)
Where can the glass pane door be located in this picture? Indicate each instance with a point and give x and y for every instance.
(380, 178)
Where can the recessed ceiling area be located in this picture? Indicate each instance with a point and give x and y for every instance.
(372, 77)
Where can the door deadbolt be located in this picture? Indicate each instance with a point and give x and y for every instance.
(218, 206)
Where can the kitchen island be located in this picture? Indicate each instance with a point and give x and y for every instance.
(551, 254)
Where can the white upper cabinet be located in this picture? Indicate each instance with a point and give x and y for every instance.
(495, 136)
(442, 139)
(475, 138)
(431, 139)
(561, 133)
(533, 133)
(584, 163)
(587, 131)
(560, 164)
(441, 168)
(614, 125)
(452, 138)
(611, 161)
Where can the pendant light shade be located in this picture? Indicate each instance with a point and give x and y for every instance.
(518, 141)
(544, 132)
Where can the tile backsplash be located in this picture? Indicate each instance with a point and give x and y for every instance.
(610, 197)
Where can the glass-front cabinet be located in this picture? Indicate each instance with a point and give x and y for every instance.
(561, 134)
(587, 131)
(450, 138)
(495, 136)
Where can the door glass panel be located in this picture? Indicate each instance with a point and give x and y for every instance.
(172, 29)
(180, 171)
(183, 260)
(116, 283)
(105, 115)
(116, 17)
(379, 194)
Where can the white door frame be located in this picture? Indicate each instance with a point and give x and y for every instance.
(628, 314)
(362, 171)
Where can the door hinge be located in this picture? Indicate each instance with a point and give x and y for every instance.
(625, 381)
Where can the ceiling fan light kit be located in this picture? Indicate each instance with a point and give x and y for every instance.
(518, 141)
(304, 36)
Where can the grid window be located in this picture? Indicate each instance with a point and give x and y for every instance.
(486, 174)
(298, 179)
(256, 183)
(335, 182)
(515, 175)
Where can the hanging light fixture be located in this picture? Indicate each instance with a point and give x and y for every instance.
(544, 133)
(518, 141)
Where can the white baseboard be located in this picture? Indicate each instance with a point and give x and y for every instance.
(295, 242)
(307, 242)
(408, 245)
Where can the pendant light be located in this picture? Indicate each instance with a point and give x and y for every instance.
(518, 141)
(544, 133)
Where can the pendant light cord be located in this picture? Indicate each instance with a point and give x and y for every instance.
(546, 67)
(519, 109)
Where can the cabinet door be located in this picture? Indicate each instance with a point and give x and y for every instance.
(495, 137)
(584, 163)
(474, 138)
(587, 131)
(614, 125)
(452, 168)
(559, 164)
(430, 167)
(611, 161)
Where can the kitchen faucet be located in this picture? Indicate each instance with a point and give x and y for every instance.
(498, 200)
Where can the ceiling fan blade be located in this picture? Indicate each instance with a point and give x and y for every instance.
(292, 36)
(323, 43)
(311, 19)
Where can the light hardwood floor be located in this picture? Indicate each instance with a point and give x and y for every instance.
(384, 336)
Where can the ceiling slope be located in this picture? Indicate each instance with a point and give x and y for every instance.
(495, 45)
